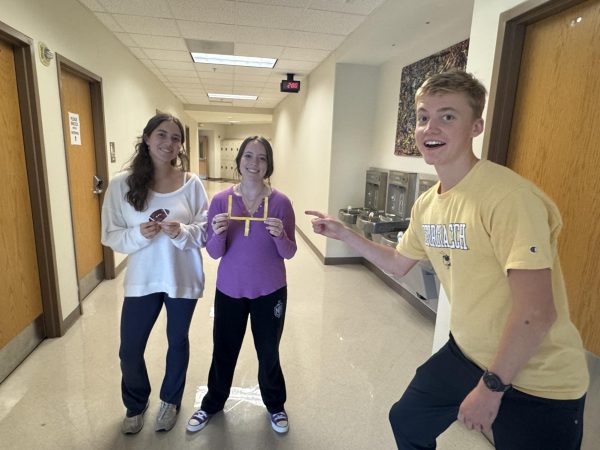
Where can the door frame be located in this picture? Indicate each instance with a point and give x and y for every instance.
(33, 142)
(506, 69)
(100, 144)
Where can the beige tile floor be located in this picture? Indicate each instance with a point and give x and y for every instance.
(349, 348)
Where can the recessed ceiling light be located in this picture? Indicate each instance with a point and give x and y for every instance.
(233, 96)
(231, 60)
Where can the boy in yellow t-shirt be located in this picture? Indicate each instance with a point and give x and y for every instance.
(514, 363)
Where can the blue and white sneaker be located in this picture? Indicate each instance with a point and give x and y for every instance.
(279, 422)
(198, 420)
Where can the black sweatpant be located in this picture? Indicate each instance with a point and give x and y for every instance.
(525, 422)
(267, 316)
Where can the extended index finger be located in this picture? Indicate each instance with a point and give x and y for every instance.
(318, 214)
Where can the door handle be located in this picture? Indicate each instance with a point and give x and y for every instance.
(97, 185)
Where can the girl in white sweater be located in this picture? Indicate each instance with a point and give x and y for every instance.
(155, 212)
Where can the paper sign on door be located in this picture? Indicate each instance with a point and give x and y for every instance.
(74, 128)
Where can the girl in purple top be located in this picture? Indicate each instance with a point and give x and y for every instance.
(252, 231)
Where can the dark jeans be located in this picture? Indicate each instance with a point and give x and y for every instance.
(267, 316)
(137, 319)
(430, 405)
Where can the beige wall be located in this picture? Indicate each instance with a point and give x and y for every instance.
(131, 96)
(302, 135)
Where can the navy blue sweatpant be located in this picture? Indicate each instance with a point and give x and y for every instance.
(430, 405)
(137, 319)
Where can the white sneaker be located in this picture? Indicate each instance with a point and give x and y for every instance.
(279, 422)
(133, 424)
(167, 416)
(198, 420)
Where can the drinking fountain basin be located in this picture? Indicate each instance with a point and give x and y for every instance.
(348, 215)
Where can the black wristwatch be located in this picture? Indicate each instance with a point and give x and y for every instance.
(494, 383)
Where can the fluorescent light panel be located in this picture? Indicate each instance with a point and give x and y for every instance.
(231, 60)
(233, 96)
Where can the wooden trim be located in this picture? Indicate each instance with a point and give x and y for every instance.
(503, 90)
(70, 320)
(338, 261)
(121, 267)
(310, 245)
(25, 51)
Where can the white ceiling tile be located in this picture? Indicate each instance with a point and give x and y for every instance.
(138, 52)
(92, 5)
(329, 22)
(109, 22)
(319, 41)
(148, 63)
(192, 100)
(210, 11)
(174, 65)
(158, 42)
(263, 51)
(147, 25)
(206, 31)
(215, 76)
(215, 68)
(253, 71)
(363, 7)
(154, 8)
(245, 90)
(192, 93)
(305, 54)
(286, 65)
(183, 80)
(167, 55)
(260, 35)
(126, 39)
(267, 16)
(249, 83)
(218, 88)
(251, 78)
(182, 72)
(246, 103)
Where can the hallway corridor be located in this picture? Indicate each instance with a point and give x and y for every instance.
(349, 348)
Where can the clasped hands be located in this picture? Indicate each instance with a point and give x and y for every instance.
(151, 228)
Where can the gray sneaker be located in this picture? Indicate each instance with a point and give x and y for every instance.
(133, 424)
(167, 416)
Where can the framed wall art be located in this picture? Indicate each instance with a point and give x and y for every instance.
(412, 77)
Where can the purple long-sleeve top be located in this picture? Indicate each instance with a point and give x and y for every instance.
(251, 266)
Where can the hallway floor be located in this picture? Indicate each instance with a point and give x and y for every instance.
(350, 347)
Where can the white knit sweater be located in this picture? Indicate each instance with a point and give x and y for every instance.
(159, 264)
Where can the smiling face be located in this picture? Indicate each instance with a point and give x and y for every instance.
(254, 162)
(164, 143)
(446, 126)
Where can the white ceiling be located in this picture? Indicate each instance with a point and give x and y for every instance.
(299, 33)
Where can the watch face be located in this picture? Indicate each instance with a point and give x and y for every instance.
(493, 382)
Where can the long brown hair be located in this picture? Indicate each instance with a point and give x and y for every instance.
(142, 169)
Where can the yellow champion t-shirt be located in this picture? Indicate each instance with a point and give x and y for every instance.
(494, 220)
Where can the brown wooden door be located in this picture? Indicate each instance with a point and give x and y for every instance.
(203, 156)
(81, 166)
(554, 142)
(20, 303)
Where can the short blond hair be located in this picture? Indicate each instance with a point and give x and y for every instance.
(452, 82)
